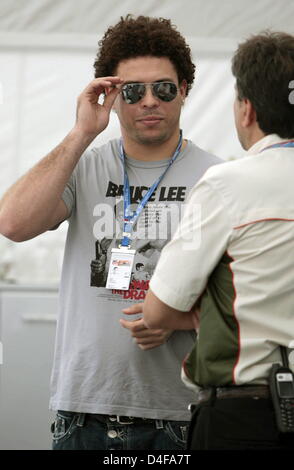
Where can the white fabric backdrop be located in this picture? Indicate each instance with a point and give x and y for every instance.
(47, 49)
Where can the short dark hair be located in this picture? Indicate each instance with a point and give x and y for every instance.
(144, 36)
(264, 67)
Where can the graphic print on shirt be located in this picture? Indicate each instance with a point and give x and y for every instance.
(152, 231)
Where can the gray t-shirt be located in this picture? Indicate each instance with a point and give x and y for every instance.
(98, 368)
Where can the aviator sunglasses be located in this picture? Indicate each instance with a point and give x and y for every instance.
(134, 92)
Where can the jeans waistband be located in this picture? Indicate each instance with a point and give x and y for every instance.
(116, 419)
(122, 419)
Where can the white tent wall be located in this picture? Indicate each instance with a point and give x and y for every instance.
(47, 49)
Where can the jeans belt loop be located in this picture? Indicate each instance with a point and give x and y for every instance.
(81, 419)
(159, 424)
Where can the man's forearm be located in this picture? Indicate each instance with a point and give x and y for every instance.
(33, 204)
(157, 314)
(28, 206)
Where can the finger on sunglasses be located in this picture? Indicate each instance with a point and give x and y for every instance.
(110, 97)
(98, 85)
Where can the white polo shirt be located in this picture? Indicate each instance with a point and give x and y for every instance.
(241, 270)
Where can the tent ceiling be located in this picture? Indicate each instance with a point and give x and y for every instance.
(194, 18)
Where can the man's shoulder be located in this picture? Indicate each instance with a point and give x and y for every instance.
(110, 148)
(234, 176)
(99, 159)
(200, 154)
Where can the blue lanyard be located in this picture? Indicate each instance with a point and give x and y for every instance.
(129, 217)
(289, 143)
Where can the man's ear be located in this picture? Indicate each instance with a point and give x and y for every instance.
(183, 89)
(248, 113)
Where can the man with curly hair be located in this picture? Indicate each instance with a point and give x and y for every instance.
(116, 383)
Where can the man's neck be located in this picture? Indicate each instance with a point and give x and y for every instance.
(253, 136)
(151, 151)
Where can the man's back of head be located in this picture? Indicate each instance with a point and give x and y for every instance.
(263, 67)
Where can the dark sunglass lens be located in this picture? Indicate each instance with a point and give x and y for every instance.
(133, 92)
(166, 91)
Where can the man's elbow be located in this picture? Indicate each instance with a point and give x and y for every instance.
(12, 235)
(10, 230)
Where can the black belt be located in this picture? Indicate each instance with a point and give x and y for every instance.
(241, 391)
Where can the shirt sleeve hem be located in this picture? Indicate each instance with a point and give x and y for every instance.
(170, 296)
(67, 199)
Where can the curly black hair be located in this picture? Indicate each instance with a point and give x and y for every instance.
(144, 36)
(264, 68)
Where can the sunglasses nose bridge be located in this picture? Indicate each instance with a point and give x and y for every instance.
(149, 95)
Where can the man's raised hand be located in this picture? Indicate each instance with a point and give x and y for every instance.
(93, 117)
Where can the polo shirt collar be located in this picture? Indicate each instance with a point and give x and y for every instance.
(264, 142)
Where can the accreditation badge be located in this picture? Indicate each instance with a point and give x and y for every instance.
(120, 268)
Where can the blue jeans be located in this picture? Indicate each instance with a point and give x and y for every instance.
(79, 431)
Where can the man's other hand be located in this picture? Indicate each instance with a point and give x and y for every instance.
(145, 337)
